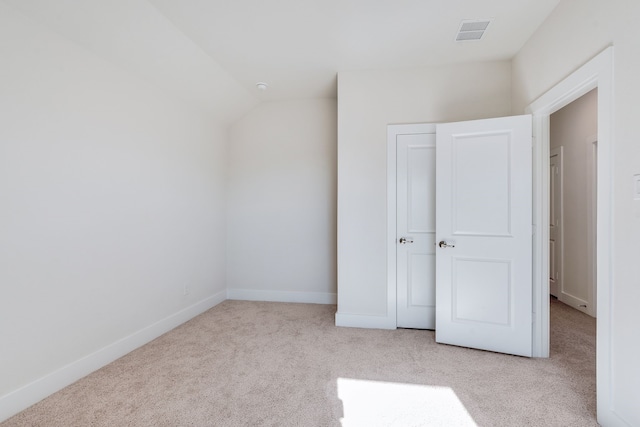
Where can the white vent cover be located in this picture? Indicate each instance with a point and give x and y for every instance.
(472, 30)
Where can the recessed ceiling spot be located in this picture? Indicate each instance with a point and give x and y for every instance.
(262, 85)
(472, 30)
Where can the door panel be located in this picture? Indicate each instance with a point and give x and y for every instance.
(481, 196)
(481, 289)
(483, 219)
(416, 223)
(421, 286)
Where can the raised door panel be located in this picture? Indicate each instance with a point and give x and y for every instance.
(481, 185)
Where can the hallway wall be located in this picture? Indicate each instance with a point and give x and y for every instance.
(572, 128)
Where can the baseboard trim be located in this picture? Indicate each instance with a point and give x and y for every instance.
(22, 398)
(364, 321)
(282, 296)
(577, 303)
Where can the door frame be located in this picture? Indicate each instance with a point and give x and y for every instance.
(392, 283)
(597, 73)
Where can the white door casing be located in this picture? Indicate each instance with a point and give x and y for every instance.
(556, 220)
(415, 236)
(483, 217)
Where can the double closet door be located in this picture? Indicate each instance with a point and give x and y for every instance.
(463, 232)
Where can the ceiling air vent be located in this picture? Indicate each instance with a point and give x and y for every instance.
(472, 30)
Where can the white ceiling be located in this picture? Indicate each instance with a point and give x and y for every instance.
(213, 52)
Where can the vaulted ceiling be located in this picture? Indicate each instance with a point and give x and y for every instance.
(213, 52)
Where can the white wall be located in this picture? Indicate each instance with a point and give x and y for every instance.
(574, 33)
(281, 235)
(112, 201)
(140, 39)
(367, 102)
(571, 127)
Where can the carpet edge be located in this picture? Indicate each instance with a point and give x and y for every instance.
(30, 394)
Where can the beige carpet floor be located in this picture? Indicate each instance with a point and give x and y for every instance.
(273, 364)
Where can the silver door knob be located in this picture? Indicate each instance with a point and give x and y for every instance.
(405, 240)
(444, 244)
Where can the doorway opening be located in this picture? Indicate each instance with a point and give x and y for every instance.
(597, 73)
(572, 229)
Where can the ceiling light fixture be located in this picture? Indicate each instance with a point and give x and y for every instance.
(262, 85)
(472, 30)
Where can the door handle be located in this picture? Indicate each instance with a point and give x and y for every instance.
(444, 244)
(405, 240)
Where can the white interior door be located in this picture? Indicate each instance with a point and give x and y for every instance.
(484, 234)
(555, 222)
(415, 230)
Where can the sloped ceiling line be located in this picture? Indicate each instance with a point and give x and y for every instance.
(212, 53)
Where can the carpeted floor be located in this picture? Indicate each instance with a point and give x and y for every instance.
(274, 364)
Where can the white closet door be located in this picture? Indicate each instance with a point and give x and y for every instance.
(483, 230)
(415, 232)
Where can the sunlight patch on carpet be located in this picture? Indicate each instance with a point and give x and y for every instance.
(377, 403)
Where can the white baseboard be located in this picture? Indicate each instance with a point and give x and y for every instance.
(364, 321)
(282, 296)
(577, 303)
(22, 398)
